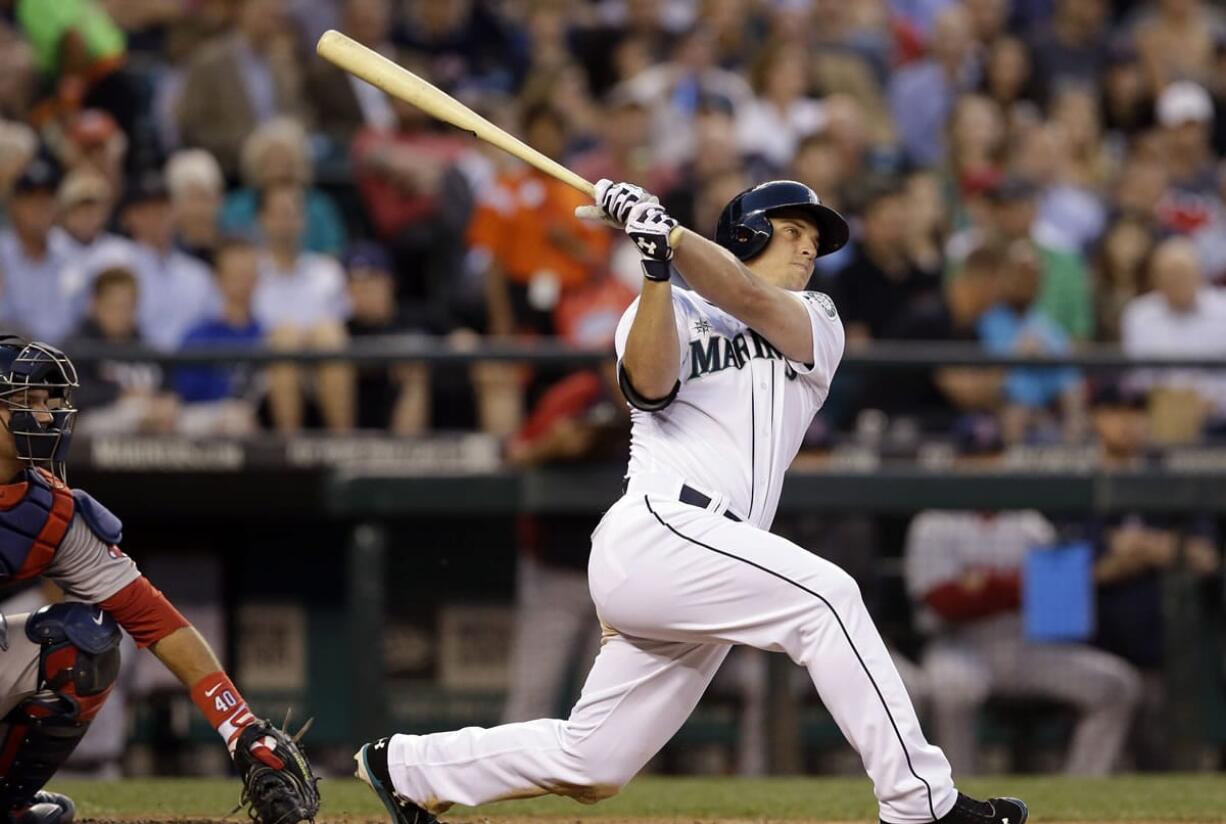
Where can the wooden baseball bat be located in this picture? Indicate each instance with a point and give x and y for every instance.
(401, 83)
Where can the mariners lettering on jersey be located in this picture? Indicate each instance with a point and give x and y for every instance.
(715, 353)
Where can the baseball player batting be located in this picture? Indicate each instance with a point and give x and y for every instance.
(58, 664)
(723, 381)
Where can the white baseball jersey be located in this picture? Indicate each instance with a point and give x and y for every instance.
(742, 410)
(677, 582)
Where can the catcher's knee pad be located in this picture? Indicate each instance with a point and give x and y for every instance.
(78, 662)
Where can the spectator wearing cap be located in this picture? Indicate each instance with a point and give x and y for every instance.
(240, 82)
(396, 397)
(1140, 556)
(343, 104)
(1011, 215)
(36, 296)
(301, 301)
(196, 186)
(86, 202)
(922, 95)
(279, 152)
(216, 400)
(1181, 317)
(176, 290)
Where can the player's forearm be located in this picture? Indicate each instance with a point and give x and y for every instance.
(715, 273)
(652, 359)
(186, 654)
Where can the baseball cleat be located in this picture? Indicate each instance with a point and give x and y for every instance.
(372, 768)
(47, 808)
(968, 810)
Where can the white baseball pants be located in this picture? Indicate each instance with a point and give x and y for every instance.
(679, 585)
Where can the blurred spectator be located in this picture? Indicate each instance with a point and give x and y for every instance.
(1136, 552)
(36, 296)
(1127, 100)
(1017, 326)
(18, 145)
(927, 220)
(538, 249)
(176, 290)
(673, 90)
(1011, 215)
(1120, 272)
(1181, 317)
(85, 202)
(240, 82)
(937, 398)
(395, 398)
(1069, 213)
(716, 154)
(922, 94)
(118, 396)
(1071, 47)
(1007, 78)
(782, 114)
(216, 400)
(343, 104)
(420, 205)
(301, 301)
(463, 42)
(279, 152)
(196, 185)
(882, 283)
(95, 141)
(81, 54)
(18, 73)
(988, 19)
(1176, 39)
(625, 152)
(975, 159)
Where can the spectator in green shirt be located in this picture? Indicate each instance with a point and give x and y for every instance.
(81, 55)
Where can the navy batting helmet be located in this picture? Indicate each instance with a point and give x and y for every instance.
(744, 228)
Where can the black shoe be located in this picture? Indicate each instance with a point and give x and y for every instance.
(372, 768)
(967, 810)
(47, 808)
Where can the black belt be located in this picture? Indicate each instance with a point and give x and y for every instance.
(690, 495)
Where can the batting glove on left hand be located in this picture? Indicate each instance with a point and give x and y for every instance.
(614, 202)
(649, 226)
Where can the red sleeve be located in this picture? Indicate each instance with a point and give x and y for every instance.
(1001, 592)
(144, 612)
(568, 398)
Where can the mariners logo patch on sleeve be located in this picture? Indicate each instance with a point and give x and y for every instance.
(823, 300)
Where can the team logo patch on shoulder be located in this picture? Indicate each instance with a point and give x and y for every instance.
(823, 300)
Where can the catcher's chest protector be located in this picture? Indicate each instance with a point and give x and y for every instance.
(35, 513)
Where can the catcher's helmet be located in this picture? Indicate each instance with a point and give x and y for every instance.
(39, 440)
(744, 229)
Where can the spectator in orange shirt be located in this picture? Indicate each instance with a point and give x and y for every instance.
(537, 249)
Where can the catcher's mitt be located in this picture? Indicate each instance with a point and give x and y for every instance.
(278, 785)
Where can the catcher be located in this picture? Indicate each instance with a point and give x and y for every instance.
(58, 664)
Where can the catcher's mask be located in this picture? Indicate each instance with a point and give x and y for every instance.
(36, 383)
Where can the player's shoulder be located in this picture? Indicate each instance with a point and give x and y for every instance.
(820, 301)
(104, 524)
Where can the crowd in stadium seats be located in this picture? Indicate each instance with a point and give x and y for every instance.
(1028, 174)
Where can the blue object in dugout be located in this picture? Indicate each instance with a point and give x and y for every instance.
(1058, 593)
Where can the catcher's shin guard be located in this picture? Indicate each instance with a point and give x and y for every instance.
(77, 665)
